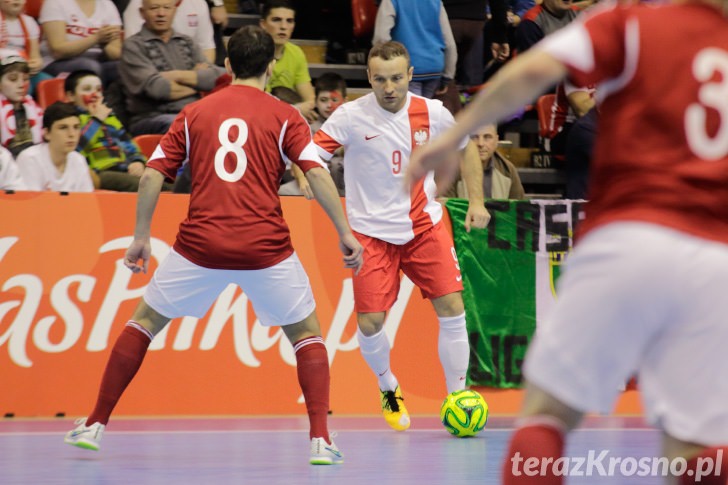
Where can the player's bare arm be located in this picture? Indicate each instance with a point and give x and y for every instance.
(477, 216)
(515, 85)
(302, 181)
(326, 194)
(150, 185)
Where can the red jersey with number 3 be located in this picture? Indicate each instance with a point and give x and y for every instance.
(237, 142)
(661, 155)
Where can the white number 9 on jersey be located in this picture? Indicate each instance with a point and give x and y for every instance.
(234, 147)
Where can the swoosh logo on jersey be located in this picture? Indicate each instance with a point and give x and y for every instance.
(367, 137)
(458, 278)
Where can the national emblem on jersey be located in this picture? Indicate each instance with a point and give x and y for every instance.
(421, 137)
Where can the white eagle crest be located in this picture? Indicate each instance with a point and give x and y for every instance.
(420, 137)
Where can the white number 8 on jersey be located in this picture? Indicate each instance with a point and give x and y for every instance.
(234, 147)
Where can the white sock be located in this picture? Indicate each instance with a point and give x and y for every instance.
(375, 349)
(454, 351)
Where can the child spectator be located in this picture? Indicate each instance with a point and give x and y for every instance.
(56, 165)
(20, 33)
(330, 91)
(21, 117)
(108, 148)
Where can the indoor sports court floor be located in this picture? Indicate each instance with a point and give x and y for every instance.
(274, 450)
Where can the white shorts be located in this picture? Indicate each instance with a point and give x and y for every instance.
(281, 294)
(637, 298)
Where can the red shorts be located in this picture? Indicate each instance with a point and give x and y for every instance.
(429, 260)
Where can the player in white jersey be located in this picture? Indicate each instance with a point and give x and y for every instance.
(399, 230)
(644, 288)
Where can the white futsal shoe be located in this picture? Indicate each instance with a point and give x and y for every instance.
(87, 437)
(323, 453)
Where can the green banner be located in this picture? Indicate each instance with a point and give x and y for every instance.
(509, 271)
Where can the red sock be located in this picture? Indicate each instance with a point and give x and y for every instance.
(708, 468)
(126, 357)
(312, 363)
(541, 438)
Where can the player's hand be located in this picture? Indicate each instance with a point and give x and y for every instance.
(353, 252)
(139, 249)
(477, 217)
(305, 188)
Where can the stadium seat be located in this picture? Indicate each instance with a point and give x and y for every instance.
(364, 12)
(147, 143)
(543, 110)
(49, 91)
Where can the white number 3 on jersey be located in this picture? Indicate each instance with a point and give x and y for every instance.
(234, 147)
(713, 95)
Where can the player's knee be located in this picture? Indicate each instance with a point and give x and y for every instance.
(449, 305)
(149, 318)
(370, 323)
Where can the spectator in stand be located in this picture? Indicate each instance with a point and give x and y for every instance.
(542, 20)
(21, 117)
(56, 165)
(500, 176)
(424, 29)
(330, 90)
(570, 104)
(21, 34)
(278, 18)
(467, 21)
(109, 150)
(191, 18)
(219, 17)
(10, 178)
(81, 34)
(579, 149)
(517, 10)
(162, 71)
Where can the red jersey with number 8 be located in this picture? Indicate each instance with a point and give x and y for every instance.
(662, 87)
(238, 142)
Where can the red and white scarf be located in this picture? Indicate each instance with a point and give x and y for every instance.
(33, 112)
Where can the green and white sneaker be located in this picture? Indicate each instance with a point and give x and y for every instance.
(323, 453)
(87, 437)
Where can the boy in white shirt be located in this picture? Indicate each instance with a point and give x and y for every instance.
(55, 165)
